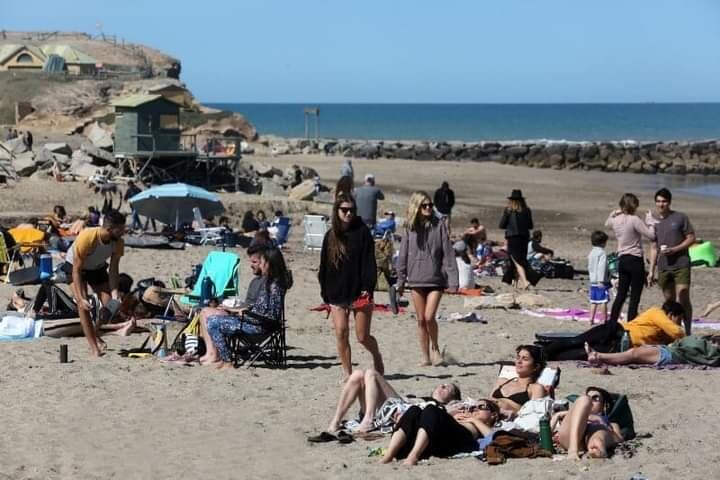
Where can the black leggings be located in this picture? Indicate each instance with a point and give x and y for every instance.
(631, 269)
(447, 437)
(603, 338)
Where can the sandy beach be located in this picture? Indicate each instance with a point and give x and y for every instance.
(128, 418)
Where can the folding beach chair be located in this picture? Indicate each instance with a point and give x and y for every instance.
(5, 256)
(222, 269)
(315, 228)
(208, 235)
(269, 346)
(549, 378)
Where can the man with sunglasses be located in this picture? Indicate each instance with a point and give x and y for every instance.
(87, 262)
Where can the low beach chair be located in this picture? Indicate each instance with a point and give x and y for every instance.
(269, 346)
(316, 227)
(222, 269)
(208, 235)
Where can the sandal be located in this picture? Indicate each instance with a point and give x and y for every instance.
(344, 437)
(323, 437)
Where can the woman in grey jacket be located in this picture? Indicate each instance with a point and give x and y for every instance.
(426, 265)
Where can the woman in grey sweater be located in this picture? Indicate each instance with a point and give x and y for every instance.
(426, 265)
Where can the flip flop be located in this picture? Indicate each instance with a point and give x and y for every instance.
(323, 437)
(344, 437)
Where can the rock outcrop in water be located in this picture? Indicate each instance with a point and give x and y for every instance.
(647, 157)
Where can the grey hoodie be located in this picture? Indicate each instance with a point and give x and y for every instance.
(431, 264)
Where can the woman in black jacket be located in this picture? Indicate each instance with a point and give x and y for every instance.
(517, 223)
(347, 280)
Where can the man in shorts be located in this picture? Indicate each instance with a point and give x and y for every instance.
(669, 253)
(87, 259)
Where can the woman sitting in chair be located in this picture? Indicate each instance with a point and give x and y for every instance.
(586, 427)
(512, 394)
(269, 305)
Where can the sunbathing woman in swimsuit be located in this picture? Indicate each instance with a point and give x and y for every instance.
(586, 425)
(511, 394)
(433, 431)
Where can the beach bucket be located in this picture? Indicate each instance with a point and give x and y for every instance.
(46, 266)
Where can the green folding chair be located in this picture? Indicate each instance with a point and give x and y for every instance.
(223, 269)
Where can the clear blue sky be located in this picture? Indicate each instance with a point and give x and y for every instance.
(414, 50)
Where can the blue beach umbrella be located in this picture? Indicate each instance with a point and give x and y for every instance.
(173, 203)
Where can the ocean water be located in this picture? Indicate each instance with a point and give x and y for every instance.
(477, 122)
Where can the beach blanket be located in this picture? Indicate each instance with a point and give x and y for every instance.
(671, 366)
(579, 314)
(468, 292)
(17, 328)
(377, 307)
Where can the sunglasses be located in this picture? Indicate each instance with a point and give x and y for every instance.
(596, 398)
(346, 210)
(426, 205)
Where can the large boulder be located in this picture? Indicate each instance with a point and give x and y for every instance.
(99, 156)
(266, 170)
(271, 189)
(24, 164)
(303, 191)
(309, 173)
(58, 147)
(232, 125)
(99, 137)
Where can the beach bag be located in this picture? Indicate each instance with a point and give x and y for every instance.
(188, 340)
(391, 410)
(529, 415)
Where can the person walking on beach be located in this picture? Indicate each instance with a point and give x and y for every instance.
(346, 170)
(426, 264)
(674, 234)
(517, 222)
(131, 191)
(86, 261)
(367, 198)
(444, 199)
(347, 277)
(629, 230)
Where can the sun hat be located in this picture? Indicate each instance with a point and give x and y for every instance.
(516, 195)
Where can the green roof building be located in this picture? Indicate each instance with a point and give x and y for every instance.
(147, 125)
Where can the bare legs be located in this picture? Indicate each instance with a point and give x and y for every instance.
(645, 354)
(211, 353)
(593, 311)
(572, 429)
(681, 294)
(522, 281)
(426, 302)
(370, 389)
(341, 324)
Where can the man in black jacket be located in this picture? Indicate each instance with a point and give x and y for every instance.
(444, 200)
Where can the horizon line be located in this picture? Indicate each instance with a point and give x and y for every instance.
(204, 102)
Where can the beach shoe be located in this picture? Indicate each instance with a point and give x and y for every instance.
(323, 437)
(344, 437)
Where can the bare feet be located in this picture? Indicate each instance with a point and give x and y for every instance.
(366, 426)
(573, 455)
(410, 461)
(206, 360)
(127, 329)
(425, 363)
(592, 356)
(223, 365)
(438, 357)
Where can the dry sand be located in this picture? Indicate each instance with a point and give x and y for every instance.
(121, 418)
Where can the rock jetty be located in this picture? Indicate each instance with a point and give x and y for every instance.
(679, 158)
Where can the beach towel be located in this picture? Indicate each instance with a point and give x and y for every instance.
(468, 292)
(669, 366)
(16, 328)
(579, 314)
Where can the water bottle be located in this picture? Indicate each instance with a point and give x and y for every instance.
(46, 268)
(625, 342)
(546, 441)
(207, 291)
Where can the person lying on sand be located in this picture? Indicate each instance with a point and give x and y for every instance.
(370, 389)
(433, 431)
(585, 427)
(510, 395)
(693, 349)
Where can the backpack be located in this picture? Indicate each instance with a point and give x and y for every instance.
(509, 445)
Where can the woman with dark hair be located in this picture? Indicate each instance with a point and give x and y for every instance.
(512, 394)
(345, 186)
(629, 230)
(433, 431)
(347, 277)
(517, 222)
(587, 426)
(249, 224)
(426, 264)
(269, 304)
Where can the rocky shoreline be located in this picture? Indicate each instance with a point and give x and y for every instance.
(679, 158)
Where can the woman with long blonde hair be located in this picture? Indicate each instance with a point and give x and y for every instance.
(427, 266)
(347, 278)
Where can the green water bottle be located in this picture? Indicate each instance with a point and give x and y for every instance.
(546, 441)
(625, 342)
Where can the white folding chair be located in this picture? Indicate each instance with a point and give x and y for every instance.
(208, 235)
(315, 228)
